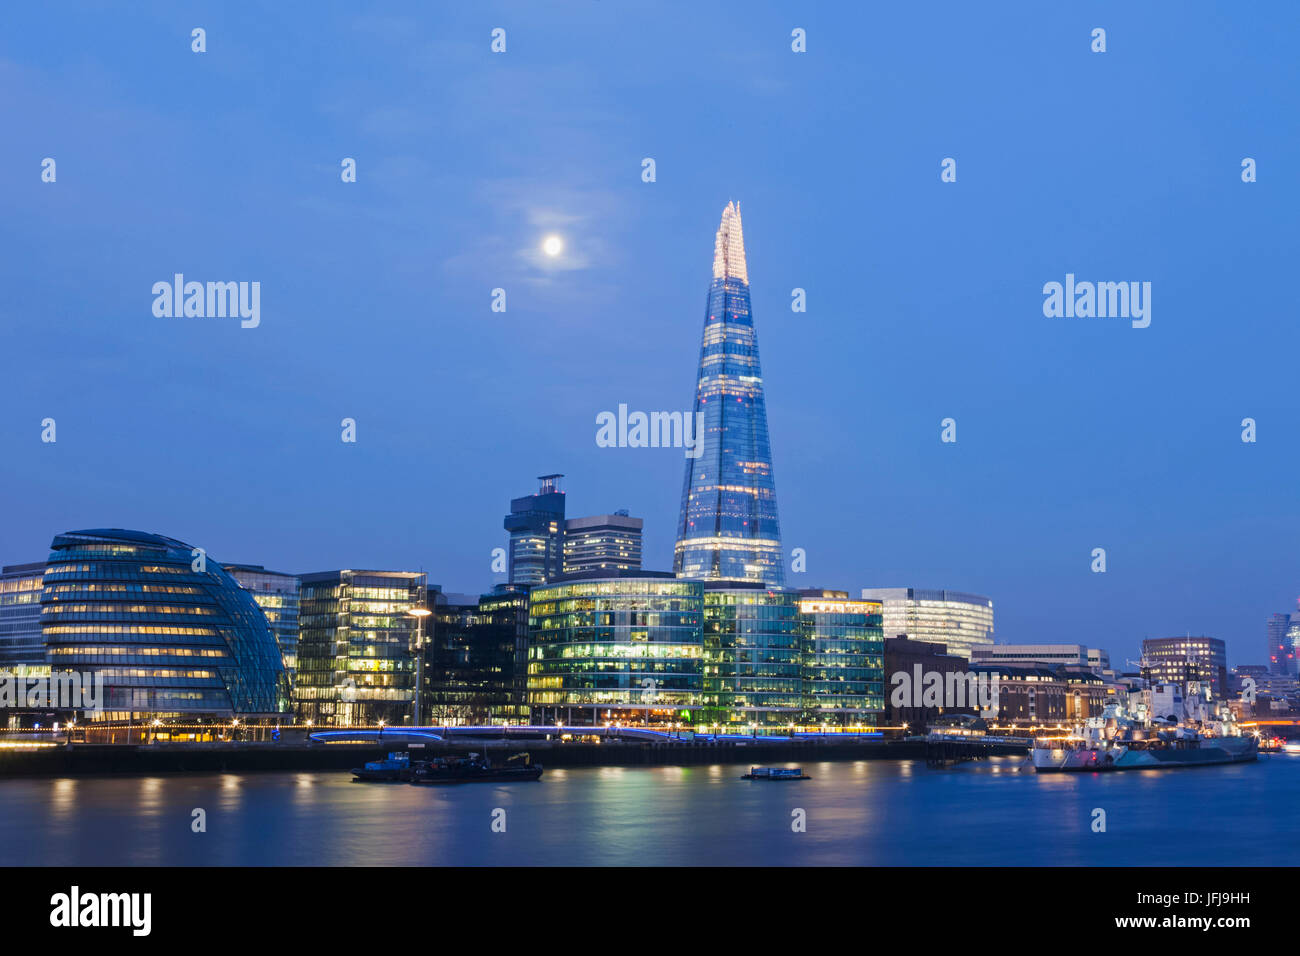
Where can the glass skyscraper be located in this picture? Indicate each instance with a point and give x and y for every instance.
(728, 528)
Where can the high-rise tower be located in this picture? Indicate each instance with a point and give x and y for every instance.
(728, 528)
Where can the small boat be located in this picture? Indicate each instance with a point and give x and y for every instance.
(475, 769)
(776, 773)
(394, 768)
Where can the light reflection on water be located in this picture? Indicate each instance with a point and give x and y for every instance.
(858, 813)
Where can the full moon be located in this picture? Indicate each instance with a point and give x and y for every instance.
(552, 245)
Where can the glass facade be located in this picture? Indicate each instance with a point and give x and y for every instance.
(21, 643)
(469, 668)
(843, 660)
(277, 595)
(356, 658)
(616, 649)
(507, 604)
(752, 658)
(728, 528)
(171, 633)
(536, 526)
(954, 618)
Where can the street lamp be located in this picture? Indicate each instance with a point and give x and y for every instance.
(419, 613)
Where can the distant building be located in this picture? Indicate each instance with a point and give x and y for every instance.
(1051, 655)
(902, 657)
(356, 661)
(602, 543)
(168, 637)
(1098, 660)
(1283, 631)
(21, 643)
(958, 620)
(1179, 660)
(277, 595)
(842, 660)
(536, 526)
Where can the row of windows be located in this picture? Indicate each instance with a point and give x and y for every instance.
(112, 610)
(114, 650)
(125, 629)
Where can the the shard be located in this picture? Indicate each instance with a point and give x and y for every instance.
(728, 528)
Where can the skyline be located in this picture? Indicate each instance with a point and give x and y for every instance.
(924, 298)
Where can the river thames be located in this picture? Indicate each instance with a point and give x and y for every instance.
(875, 813)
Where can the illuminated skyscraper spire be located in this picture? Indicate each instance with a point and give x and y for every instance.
(728, 528)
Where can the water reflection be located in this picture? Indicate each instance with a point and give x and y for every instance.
(863, 812)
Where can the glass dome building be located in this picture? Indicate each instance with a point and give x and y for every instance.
(168, 629)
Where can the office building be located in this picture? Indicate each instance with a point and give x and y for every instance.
(356, 647)
(507, 604)
(955, 619)
(622, 647)
(536, 526)
(602, 543)
(1050, 655)
(169, 632)
(753, 657)
(21, 643)
(842, 660)
(277, 595)
(728, 528)
(1182, 660)
(469, 667)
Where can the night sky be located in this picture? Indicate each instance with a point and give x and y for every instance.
(924, 298)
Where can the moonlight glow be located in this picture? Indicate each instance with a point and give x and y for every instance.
(552, 246)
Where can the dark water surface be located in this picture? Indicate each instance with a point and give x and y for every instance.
(858, 813)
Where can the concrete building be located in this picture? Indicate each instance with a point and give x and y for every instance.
(602, 543)
(1050, 655)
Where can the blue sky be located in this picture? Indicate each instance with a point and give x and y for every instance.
(924, 298)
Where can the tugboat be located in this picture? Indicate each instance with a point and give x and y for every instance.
(776, 773)
(394, 768)
(475, 769)
(1119, 741)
